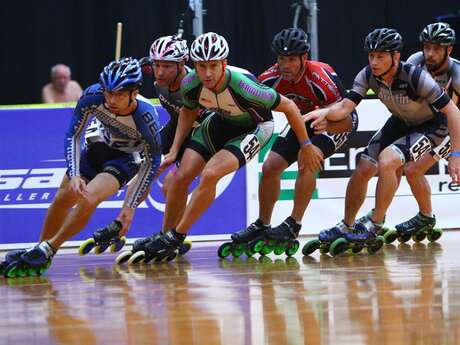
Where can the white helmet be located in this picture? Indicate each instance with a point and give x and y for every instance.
(169, 48)
(208, 47)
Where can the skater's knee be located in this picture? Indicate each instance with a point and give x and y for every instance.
(412, 172)
(181, 178)
(210, 176)
(365, 170)
(272, 169)
(388, 163)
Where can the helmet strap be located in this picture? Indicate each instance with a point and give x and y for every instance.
(390, 68)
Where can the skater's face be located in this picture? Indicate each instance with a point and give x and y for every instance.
(211, 73)
(166, 72)
(435, 55)
(120, 102)
(382, 62)
(292, 67)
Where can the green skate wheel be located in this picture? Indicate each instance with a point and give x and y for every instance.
(225, 250)
(390, 236)
(118, 244)
(137, 258)
(86, 246)
(376, 245)
(434, 235)
(258, 245)
(32, 272)
(292, 248)
(419, 237)
(11, 271)
(339, 246)
(237, 250)
(123, 257)
(311, 246)
(279, 249)
(266, 249)
(249, 252)
(404, 238)
(185, 247)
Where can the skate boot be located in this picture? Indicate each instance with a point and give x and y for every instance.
(104, 238)
(282, 239)
(363, 235)
(32, 262)
(10, 257)
(389, 235)
(244, 241)
(326, 238)
(419, 228)
(164, 247)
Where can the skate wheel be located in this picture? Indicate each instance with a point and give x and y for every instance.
(339, 246)
(419, 237)
(390, 236)
(356, 248)
(237, 250)
(257, 246)
(311, 246)
(32, 272)
(11, 270)
(101, 248)
(171, 256)
(267, 248)
(404, 238)
(434, 235)
(185, 247)
(136, 258)
(118, 244)
(123, 257)
(293, 248)
(249, 252)
(324, 248)
(225, 250)
(376, 245)
(86, 246)
(279, 249)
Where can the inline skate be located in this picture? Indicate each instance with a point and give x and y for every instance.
(326, 238)
(31, 262)
(418, 228)
(104, 238)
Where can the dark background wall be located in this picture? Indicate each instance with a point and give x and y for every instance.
(81, 33)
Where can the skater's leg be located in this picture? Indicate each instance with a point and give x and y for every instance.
(64, 200)
(99, 189)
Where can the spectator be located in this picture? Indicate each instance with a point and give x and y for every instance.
(61, 88)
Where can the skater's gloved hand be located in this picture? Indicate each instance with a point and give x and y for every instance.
(454, 168)
(125, 216)
(169, 159)
(310, 157)
(78, 185)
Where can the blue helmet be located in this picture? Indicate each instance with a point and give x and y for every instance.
(124, 74)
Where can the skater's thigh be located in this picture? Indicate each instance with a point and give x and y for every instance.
(102, 186)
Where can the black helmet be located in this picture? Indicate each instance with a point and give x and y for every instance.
(292, 41)
(438, 33)
(383, 40)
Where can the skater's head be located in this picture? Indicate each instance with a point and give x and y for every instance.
(209, 53)
(292, 49)
(383, 47)
(437, 41)
(168, 55)
(121, 80)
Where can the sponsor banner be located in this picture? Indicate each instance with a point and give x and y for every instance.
(328, 201)
(32, 168)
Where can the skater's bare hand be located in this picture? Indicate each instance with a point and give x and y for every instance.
(319, 126)
(454, 168)
(318, 118)
(169, 159)
(125, 216)
(78, 185)
(310, 158)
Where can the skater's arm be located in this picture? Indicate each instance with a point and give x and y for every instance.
(453, 122)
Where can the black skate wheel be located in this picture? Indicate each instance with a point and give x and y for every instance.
(404, 238)
(419, 237)
(375, 246)
(390, 236)
(356, 249)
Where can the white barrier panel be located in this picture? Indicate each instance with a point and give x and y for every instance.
(327, 205)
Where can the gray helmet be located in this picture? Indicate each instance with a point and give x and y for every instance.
(383, 40)
(292, 41)
(438, 33)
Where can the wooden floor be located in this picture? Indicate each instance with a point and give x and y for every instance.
(407, 294)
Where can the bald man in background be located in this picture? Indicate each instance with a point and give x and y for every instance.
(61, 89)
